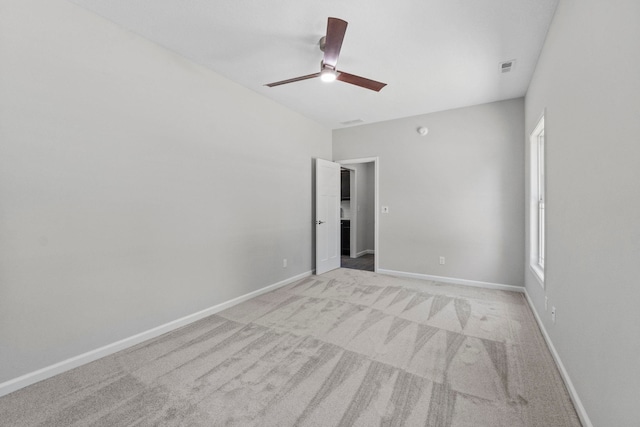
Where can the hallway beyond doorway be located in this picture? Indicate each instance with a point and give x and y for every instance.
(364, 262)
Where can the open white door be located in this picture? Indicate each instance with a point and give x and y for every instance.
(327, 216)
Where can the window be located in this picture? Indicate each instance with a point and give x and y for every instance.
(537, 212)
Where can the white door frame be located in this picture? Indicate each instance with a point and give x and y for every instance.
(376, 168)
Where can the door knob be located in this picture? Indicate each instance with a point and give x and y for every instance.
(320, 222)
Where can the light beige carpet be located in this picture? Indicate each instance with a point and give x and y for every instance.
(349, 348)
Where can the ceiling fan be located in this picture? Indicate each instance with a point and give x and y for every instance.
(331, 45)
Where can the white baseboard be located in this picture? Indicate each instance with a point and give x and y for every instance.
(365, 252)
(81, 359)
(577, 403)
(453, 280)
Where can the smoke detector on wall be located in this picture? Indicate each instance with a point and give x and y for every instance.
(507, 66)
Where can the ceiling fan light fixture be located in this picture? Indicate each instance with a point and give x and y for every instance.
(331, 44)
(328, 75)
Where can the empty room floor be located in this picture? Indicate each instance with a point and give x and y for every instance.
(348, 348)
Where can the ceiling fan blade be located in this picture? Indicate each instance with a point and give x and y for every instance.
(295, 79)
(360, 81)
(336, 28)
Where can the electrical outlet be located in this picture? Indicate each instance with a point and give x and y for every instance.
(546, 303)
(553, 314)
(441, 260)
(284, 263)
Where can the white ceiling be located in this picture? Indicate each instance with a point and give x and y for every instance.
(433, 54)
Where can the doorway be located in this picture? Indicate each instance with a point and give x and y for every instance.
(359, 214)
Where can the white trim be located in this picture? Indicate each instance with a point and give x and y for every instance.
(376, 214)
(84, 358)
(573, 394)
(535, 161)
(538, 273)
(365, 252)
(355, 161)
(454, 280)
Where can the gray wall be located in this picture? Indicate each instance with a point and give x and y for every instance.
(135, 187)
(458, 192)
(588, 79)
(365, 177)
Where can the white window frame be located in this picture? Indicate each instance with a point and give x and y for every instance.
(537, 201)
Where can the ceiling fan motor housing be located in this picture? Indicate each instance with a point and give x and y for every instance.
(322, 42)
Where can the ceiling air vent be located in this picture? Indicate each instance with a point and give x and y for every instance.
(507, 66)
